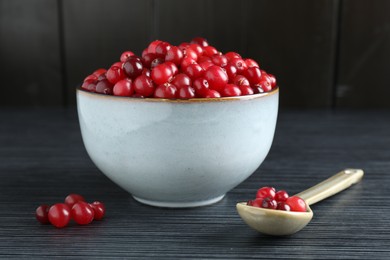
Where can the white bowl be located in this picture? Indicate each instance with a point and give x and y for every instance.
(177, 153)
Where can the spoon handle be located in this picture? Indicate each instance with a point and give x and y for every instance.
(331, 186)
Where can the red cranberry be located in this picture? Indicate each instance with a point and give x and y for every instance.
(197, 48)
(99, 209)
(239, 64)
(143, 86)
(148, 58)
(216, 77)
(265, 85)
(201, 86)
(104, 87)
(133, 67)
(231, 90)
(191, 54)
(115, 73)
(173, 67)
(175, 55)
(59, 215)
(162, 73)
(210, 93)
(183, 46)
(162, 48)
(283, 206)
(246, 90)
(257, 202)
(253, 74)
(273, 80)
(166, 90)
(281, 195)
(240, 80)
(126, 55)
(269, 203)
(209, 51)
(89, 84)
(251, 63)
(41, 213)
(82, 213)
(201, 41)
(186, 92)
(181, 80)
(232, 55)
(156, 61)
(296, 204)
(219, 60)
(193, 71)
(206, 64)
(258, 89)
(72, 199)
(231, 71)
(99, 72)
(266, 192)
(203, 59)
(144, 52)
(146, 72)
(186, 62)
(123, 88)
(152, 46)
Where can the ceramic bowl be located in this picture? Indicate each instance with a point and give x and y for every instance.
(177, 153)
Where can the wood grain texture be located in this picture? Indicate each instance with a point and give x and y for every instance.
(295, 41)
(364, 61)
(30, 65)
(42, 159)
(96, 32)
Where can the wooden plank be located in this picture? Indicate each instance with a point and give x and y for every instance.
(30, 65)
(364, 65)
(294, 40)
(96, 32)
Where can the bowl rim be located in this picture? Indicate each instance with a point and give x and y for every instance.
(275, 90)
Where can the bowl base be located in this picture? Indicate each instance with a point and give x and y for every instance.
(170, 204)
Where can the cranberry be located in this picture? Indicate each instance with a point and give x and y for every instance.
(239, 64)
(204, 59)
(210, 93)
(124, 88)
(144, 52)
(197, 48)
(265, 85)
(186, 62)
(146, 72)
(231, 90)
(143, 86)
(273, 80)
(181, 80)
(269, 203)
(219, 60)
(266, 192)
(133, 67)
(152, 46)
(257, 202)
(191, 54)
(175, 55)
(89, 83)
(115, 73)
(193, 71)
(41, 213)
(240, 80)
(296, 204)
(283, 206)
(99, 209)
(72, 199)
(162, 73)
(59, 215)
(209, 51)
(162, 48)
(232, 55)
(125, 55)
(253, 74)
(201, 86)
(216, 77)
(173, 67)
(186, 92)
(281, 195)
(258, 89)
(251, 63)
(82, 213)
(246, 90)
(206, 64)
(91, 78)
(201, 41)
(104, 87)
(231, 71)
(156, 61)
(148, 58)
(99, 72)
(183, 46)
(166, 90)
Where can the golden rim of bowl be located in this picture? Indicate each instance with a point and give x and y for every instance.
(191, 100)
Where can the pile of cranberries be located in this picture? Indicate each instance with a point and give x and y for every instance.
(189, 70)
(268, 198)
(74, 207)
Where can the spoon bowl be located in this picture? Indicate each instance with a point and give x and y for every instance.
(283, 223)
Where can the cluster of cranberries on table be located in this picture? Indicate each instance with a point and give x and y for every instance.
(189, 70)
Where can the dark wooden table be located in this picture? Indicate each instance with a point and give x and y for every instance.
(42, 159)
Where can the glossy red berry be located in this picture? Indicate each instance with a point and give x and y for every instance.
(210, 93)
(82, 213)
(296, 204)
(257, 202)
(219, 60)
(186, 62)
(148, 58)
(258, 89)
(41, 214)
(265, 85)
(175, 55)
(186, 92)
(99, 72)
(232, 55)
(216, 77)
(133, 67)
(269, 203)
(104, 87)
(99, 209)
(190, 53)
(201, 86)
(166, 90)
(231, 90)
(123, 88)
(209, 51)
(143, 86)
(251, 63)
(193, 71)
(72, 199)
(283, 206)
(281, 195)
(201, 41)
(246, 90)
(253, 74)
(59, 215)
(206, 64)
(161, 74)
(266, 192)
(173, 67)
(239, 64)
(162, 48)
(115, 73)
(272, 79)
(125, 55)
(156, 61)
(241, 80)
(231, 71)
(197, 48)
(152, 46)
(181, 80)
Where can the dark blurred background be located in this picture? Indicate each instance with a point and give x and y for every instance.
(324, 53)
